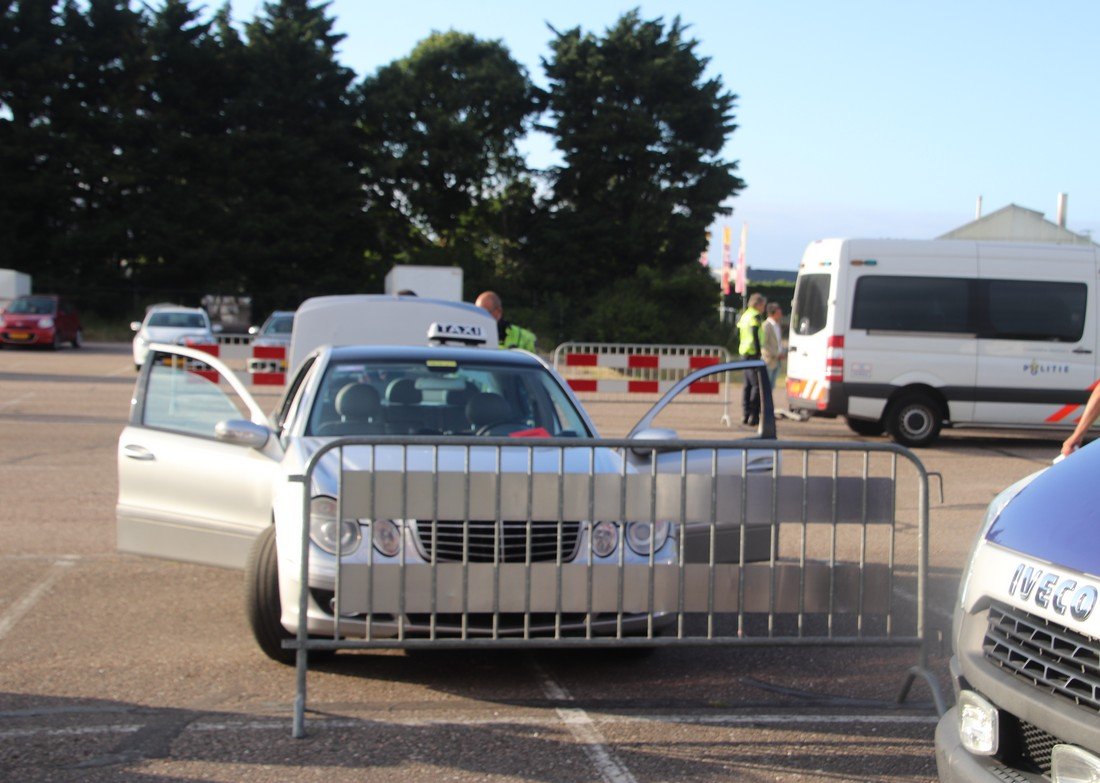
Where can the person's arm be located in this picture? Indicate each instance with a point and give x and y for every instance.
(1092, 410)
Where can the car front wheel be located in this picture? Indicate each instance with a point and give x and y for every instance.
(262, 598)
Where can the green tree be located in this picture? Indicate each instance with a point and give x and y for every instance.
(181, 222)
(297, 157)
(444, 173)
(96, 128)
(33, 179)
(641, 131)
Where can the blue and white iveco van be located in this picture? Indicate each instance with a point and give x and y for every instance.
(1026, 632)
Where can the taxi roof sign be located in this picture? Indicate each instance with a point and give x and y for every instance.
(465, 334)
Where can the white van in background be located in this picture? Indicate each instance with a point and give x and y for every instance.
(909, 336)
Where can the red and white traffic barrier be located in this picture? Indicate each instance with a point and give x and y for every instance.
(267, 367)
(617, 368)
(200, 368)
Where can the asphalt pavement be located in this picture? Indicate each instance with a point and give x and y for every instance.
(121, 668)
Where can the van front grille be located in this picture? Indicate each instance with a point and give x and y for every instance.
(1045, 654)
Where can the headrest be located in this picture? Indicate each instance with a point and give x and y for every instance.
(487, 408)
(457, 398)
(358, 402)
(403, 391)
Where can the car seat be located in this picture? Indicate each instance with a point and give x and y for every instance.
(404, 415)
(360, 409)
(487, 408)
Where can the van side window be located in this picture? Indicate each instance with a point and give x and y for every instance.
(811, 300)
(913, 304)
(1034, 310)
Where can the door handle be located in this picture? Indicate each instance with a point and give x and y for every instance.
(138, 452)
(1082, 350)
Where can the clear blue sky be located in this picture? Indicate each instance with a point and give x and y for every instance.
(880, 119)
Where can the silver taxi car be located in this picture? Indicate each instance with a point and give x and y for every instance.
(206, 476)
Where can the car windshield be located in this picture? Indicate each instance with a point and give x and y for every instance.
(442, 397)
(281, 324)
(177, 320)
(33, 305)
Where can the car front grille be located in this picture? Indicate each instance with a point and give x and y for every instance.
(1047, 655)
(485, 544)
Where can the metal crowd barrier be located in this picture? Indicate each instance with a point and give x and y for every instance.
(564, 542)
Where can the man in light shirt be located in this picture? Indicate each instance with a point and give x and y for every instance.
(771, 340)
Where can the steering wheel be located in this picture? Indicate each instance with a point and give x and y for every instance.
(501, 427)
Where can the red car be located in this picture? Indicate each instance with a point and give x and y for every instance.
(40, 319)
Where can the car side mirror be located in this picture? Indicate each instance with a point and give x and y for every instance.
(216, 328)
(649, 436)
(253, 330)
(241, 433)
(135, 325)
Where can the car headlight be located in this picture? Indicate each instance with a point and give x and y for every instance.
(646, 537)
(323, 530)
(45, 323)
(605, 537)
(385, 535)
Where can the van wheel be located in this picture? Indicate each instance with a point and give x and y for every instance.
(866, 427)
(914, 420)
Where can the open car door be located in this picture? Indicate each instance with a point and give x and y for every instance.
(196, 462)
(732, 462)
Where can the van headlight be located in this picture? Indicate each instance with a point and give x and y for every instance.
(979, 724)
(45, 323)
(326, 533)
(1070, 764)
(646, 537)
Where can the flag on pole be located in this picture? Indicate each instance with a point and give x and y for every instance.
(704, 257)
(742, 282)
(726, 261)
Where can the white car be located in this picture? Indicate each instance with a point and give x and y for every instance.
(172, 325)
(205, 476)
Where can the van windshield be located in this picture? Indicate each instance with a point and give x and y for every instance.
(811, 300)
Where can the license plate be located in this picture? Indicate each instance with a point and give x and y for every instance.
(19, 335)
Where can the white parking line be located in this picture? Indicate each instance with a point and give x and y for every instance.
(583, 729)
(16, 611)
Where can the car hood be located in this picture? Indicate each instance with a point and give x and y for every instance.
(457, 459)
(1056, 518)
(170, 334)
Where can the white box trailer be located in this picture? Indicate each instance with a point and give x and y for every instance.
(908, 336)
(434, 282)
(13, 284)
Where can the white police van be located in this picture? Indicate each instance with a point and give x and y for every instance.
(908, 336)
(1026, 633)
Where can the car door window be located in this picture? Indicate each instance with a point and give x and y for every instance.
(186, 396)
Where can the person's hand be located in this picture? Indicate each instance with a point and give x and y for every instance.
(1071, 444)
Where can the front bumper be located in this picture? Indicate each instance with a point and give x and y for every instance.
(35, 336)
(956, 765)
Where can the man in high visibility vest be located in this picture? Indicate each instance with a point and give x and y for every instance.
(749, 327)
(509, 335)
